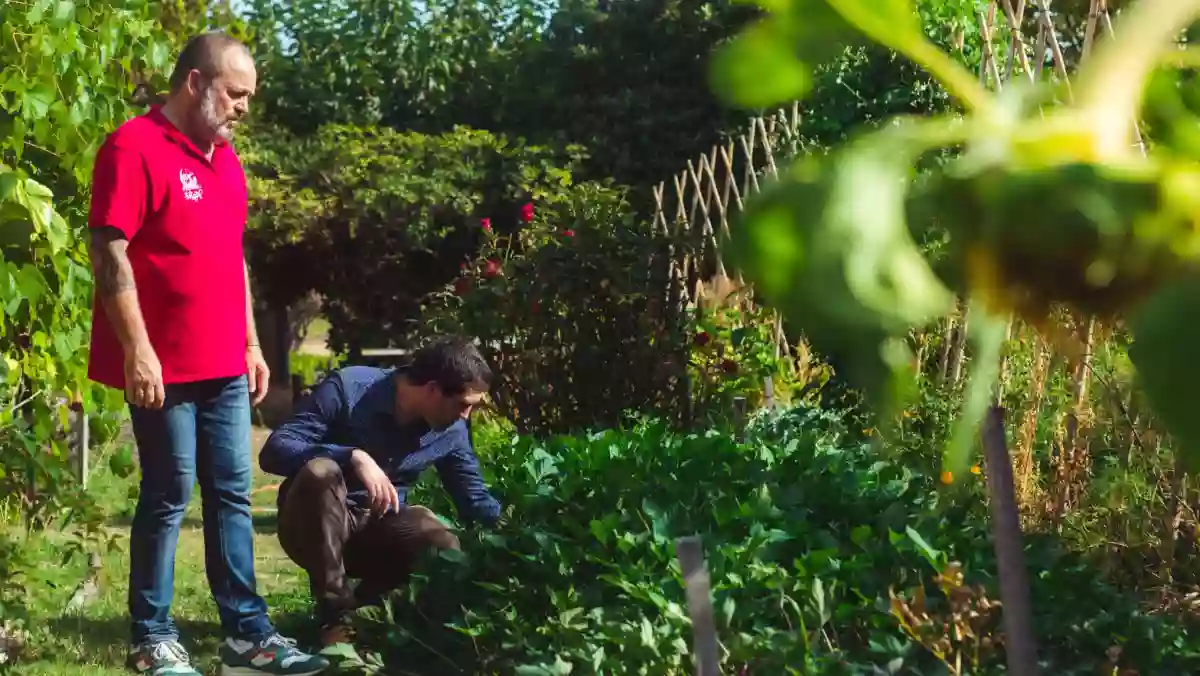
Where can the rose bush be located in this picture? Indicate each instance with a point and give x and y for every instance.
(573, 311)
(372, 220)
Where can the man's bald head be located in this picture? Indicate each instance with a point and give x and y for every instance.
(211, 87)
(207, 54)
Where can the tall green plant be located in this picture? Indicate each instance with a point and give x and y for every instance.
(1049, 204)
(69, 70)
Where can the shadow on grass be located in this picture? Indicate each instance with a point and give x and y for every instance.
(106, 640)
(264, 523)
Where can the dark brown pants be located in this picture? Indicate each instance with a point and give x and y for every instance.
(333, 542)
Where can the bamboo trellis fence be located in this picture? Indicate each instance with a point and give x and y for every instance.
(700, 203)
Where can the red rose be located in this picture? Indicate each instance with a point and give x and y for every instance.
(729, 366)
(527, 212)
(486, 224)
(569, 233)
(702, 338)
(462, 286)
(492, 268)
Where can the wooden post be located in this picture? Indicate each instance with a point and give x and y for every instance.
(81, 437)
(769, 392)
(1010, 552)
(699, 599)
(739, 415)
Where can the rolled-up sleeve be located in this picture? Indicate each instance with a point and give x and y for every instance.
(302, 438)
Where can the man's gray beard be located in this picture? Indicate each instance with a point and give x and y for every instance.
(208, 112)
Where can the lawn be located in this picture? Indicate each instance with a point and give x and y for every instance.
(93, 641)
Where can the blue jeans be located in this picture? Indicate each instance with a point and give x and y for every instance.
(201, 432)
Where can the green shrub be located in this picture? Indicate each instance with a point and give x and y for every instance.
(808, 535)
(377, 219)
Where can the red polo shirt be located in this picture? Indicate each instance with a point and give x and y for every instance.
(184, 216)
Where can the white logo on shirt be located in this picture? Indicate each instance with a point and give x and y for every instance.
(191, 186)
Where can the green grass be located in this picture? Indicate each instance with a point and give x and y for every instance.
(93, 642)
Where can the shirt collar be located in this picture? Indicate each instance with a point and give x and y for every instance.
(172, 132)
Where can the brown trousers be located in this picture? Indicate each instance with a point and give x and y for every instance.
(333, 542)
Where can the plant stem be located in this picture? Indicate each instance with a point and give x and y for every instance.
(1111, 80)
(957, 81)
(912, 43)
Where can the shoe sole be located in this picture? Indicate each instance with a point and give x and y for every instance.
(251, 671)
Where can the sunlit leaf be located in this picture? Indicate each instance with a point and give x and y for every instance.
(759, 68)
(844, 269)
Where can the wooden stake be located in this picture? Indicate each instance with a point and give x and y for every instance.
(699, 599)
(1010, 552)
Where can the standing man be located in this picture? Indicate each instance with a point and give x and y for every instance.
(352, 451)
(173, 327)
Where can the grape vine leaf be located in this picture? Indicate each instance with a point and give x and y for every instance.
(1166, 329)
(36, 102)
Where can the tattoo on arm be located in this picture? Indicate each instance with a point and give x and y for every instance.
(110, 262)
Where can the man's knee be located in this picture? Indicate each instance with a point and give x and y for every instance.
(429, 531)
(319, 474)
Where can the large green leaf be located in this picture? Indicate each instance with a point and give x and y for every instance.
(758, 68)
(1166, 330)
(772, 60)
(828, 244)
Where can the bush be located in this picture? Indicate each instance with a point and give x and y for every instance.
(558, 303)
(576, 314)
(809, 535)
(373, 220)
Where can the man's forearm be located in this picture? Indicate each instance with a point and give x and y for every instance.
(116, 288)
(251, 328)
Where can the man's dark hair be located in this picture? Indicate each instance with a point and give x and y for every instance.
(203, 53)
(453, 362)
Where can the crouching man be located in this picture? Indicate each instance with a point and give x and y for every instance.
(351, 451)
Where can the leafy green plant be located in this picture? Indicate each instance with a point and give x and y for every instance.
(808, 535)
(733, 351)
(69, 66)
(576, 286)
(380, 218)
(1117, 240)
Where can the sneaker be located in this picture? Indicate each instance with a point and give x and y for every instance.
(161, 658)
(274, 655)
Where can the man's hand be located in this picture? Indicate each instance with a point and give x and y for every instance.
(143, 378)
(258, 373)
(382, 493)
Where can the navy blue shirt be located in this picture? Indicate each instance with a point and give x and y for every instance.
(355, 408)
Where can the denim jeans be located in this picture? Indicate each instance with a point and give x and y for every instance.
(201, 432)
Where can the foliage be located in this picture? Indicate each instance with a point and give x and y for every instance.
(576, 286)
(1119, 232)
(581, 286)
(809, 537)
(378, 219)
(311, 367)
(551, 73)
(69, 70)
